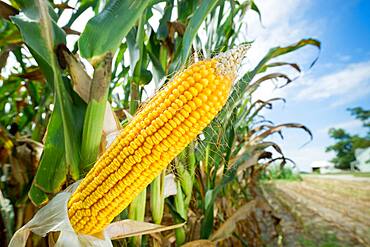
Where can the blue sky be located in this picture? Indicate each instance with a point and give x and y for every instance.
(340, 79)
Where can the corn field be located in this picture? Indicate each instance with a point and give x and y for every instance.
(73, 104)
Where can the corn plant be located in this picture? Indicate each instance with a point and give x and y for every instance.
(51, 103)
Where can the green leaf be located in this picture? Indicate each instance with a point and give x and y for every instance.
(83, 5)
(8, 88)
(145, 76)
(278, 51)
(28, 23)
(207, 223)
(37, 196)
(104, 32)
(185, 9)
(119, 59)
(191, 31)
(256, 9)
(158, 54)
(41, 34)
(162, 31)
(52, 170)
(157, 197)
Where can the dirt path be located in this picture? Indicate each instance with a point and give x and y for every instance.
(319, 208)
(346, 177)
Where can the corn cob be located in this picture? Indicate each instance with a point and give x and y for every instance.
(155, 136)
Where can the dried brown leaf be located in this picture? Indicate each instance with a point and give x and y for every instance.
(200, 243)
(130, 228)
(228, 227)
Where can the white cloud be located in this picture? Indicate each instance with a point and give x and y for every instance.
(351, 126)
(344, 58)
(283, 24)
(345, 85)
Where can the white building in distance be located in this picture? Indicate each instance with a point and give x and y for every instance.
(322, 167)
(362, 162)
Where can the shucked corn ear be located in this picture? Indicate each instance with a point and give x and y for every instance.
(155, 136)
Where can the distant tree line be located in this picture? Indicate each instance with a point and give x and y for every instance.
(345, 143)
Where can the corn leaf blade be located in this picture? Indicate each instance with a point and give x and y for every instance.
(104, 32)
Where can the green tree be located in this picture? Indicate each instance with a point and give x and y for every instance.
(346, 144)
(363, 115)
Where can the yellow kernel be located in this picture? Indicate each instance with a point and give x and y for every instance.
(147, 121)
(183, 98)
(162, 133)
(198, 102)
(196, 115)
(137, 158)
(192, 105)
(160, 122)
(203, 97)
(140, 138)
(167, 102)
(188, 95)
(187, 108)
(151, 129)
(146, 161)
(155, 139)
(166, 144)
(193, 91)
(131, 159)
(158, 136)
(206, 107)
(172, 123)
(197, 77)
(130, 150)
(146, 150)
(133, 145)
(156, 154)
(163, 118)
(180, 118)
(188, 123)
(204, 82)
(177, 133)
(181, 130)
(174, 106)
(190, 81)
(192, 119)
(184, 113)
(179, 102)
(198, 86)
(204, 72)
(166, 130)
(171, 97)
(176, 92)
(167, 114)
(171, 111)
(177, 121)
(159, 148)
(171, 139)
(148, 142)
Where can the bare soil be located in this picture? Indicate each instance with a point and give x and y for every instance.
(321, 211)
